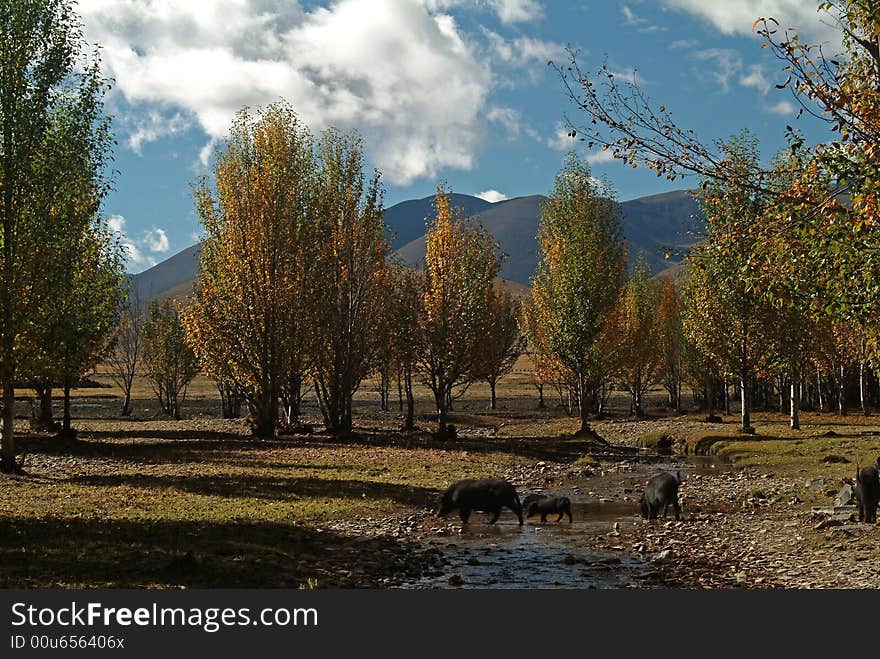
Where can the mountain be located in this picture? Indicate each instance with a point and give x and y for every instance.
(652, 225)
(407, 219)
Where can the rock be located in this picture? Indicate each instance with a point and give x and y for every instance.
(664, 555)
(833, 458)
(845, 496)
(455, 580)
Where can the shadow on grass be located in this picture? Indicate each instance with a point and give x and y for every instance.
(275, 489)
(186, 446)
(58, 552)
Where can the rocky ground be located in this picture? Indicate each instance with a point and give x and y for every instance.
(741, 528)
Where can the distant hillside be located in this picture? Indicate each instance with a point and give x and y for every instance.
(652, 225)
(407, 219)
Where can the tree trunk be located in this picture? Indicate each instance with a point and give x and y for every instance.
(821, 400)
(7, 434)
(841, 391)
(492, 401)
(126, 403)
(264, 415)
(795, 403)
(862, 393)
(441, 399)
(582, 406)
(65, 419)
(45, 418)
(540, 387)
(745, 412)
(726, 397)
(409, 423)
(710, 396)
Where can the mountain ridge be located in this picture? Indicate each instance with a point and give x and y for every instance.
(652, 225)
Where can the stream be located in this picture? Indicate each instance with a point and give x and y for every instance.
(554, 555)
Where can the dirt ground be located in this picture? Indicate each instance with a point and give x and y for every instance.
(151, 502)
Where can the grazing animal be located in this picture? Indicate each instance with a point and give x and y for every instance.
(488, 495)
(660, 492)
(868, 492)
(550, 506)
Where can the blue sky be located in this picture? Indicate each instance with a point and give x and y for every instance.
(440, 89)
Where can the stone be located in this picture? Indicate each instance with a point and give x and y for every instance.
(845, 496)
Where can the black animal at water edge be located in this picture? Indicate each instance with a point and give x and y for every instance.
(660, 492)
(488, 495)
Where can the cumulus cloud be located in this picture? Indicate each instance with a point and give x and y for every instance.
(508, 11)
(139, 251)
(407, 77)
(152, 126)
(737, 16)
(727, 63)
(513, 123)
(516, 11)
(782, 108)
(156, 240)
(600, 157)
(756, 77)
(492, 196)
(561, 140)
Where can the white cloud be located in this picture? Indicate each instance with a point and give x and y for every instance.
(737, 16)
(405, 76)
(524, 53)
(756, 77)
(512, 122)
(727, 63)
(782, 108)
(154, 241)
(517, 11)
(684, 44)
(508, 11)
(492, 196)
(630, 17)
(153, 126)
(600, 157)
(561, 140)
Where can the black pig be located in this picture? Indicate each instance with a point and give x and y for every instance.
(489, 495)
(550, 506)
(661, 491)
(868, 492)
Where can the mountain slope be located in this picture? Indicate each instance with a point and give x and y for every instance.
(407, 219)
(652, 226)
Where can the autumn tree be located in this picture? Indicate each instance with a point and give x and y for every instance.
(124, 358)
(729, 316)
(579, 275)
(405, 333)
(169, 362)
(501, 343)
(670, 338)
(460, 267)
(250, 321)
(51, 125)
(841, 90)
(354, 276)
(636, 334)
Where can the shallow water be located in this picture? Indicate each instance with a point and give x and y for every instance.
(554, 555)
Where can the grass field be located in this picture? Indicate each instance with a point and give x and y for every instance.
(148, 501)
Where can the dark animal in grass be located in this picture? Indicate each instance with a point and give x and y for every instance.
(489, 495)
(550, 506)
(660, 492)
(868, 492)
